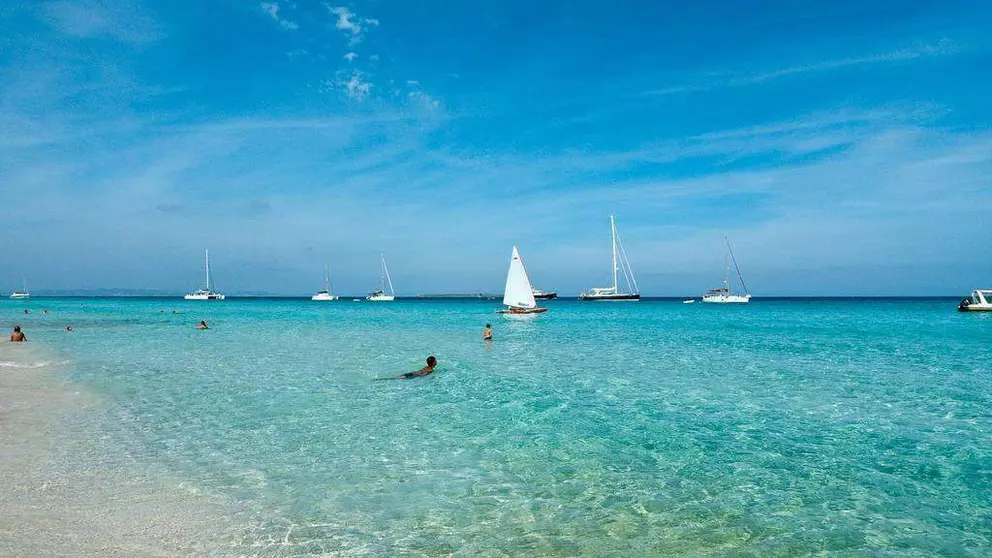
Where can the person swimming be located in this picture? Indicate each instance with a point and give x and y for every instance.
(202, 325)
(487, 334)
(429, 369)
(18, 336)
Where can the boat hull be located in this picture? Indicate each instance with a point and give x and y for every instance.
(522, 311)
(618, 297)
(323, 297)
(975, 308)
(727, 299)
(380, 298)
(204, 297)
(20, 296)
(545, 296)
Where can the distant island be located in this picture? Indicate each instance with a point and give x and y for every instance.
(460, 295)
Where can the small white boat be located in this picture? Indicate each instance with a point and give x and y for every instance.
(518, 295)
(979, 301)
(688, 301)
(381, 295)
(21, 295)
(723, 295)
(620, 264)
(325, 295)
(205, 293)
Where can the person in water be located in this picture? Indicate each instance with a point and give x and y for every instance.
(487, 334)
(18, 336)
(429, 369)
(202, 325)
(68, 328)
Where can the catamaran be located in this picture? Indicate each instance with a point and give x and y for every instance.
(380, 294)
(621, 265)
(205, 293)
(326, 293)
(21, 294)
(980, 301)
(518, 296)
(723, 295)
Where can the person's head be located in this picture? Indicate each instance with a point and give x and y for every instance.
(431, 361)
(17, 329)
(488, 326)
(203, 322)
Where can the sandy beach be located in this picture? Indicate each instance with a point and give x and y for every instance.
(66, 493)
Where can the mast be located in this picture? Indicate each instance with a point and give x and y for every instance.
(726, 269)
(613, 230)
(206, 258)
(385, 276)
(25, 281)
(737, 267)
(327, 279)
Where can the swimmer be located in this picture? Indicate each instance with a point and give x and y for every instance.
(18, 336)
(68, 328)
(202, 325)
(429, 369)
(487, 334)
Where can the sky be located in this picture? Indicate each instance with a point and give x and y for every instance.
(843, 147)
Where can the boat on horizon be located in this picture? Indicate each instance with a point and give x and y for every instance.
(979, 301)
(23, 294)
(622, 265)
(325, 295)
(205, 293)
(723, 295)
(542, 295)
(518, 295)
(380, 295)
(689, 301)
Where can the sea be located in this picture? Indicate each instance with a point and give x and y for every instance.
(787, 427)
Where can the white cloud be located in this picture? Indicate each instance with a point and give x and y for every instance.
(272, 9)
(372, 21)
(423, 99)
(351, 56)
(356, 87)
(412, 82)
(346, 20)
(94, 18)
(374, 58)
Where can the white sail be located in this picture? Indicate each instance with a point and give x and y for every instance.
(518, 292)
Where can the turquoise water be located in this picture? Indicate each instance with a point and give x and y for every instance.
(782, 428)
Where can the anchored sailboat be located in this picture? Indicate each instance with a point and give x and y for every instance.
(620, 265)
(380, 295)
(21, 294)
(326, 293)
(205, 293)
(518, 296)
(723, 295)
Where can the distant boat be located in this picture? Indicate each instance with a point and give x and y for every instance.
(723, 295)
(541, 295)
(621, 265)
(518, 296)
(980, 301)
(205, 293)
(21, 295)
(326, 293)
(688, 301)
(380, 295)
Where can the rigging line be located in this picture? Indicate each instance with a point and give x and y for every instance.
(737, 267)
(623, 253)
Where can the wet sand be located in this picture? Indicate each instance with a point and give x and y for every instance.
(65, 491)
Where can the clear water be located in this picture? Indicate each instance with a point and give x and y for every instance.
(782, 428)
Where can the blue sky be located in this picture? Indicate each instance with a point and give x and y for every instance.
(845, 147)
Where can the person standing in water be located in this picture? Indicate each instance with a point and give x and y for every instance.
(487, 334)
(18, 336)
(429, 369)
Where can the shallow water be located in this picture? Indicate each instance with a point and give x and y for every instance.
(785, 427)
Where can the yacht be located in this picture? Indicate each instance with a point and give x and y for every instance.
(326, 293)
(205, 293)
(21, 295)
(380, 295)
(723, 295)
(541, 295)
(979, 301)
(620, 264)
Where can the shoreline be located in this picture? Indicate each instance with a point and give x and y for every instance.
(66, 491)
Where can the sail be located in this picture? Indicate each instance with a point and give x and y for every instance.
(518, 292)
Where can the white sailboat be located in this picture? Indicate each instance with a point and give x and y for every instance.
(205, 293)
(20, 295)
(380, 295)
(620, 265)
(723, 295)
(518, 296)
(326, 293)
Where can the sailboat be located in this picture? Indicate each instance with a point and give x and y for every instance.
(518, 296)
(205, 293)
(723, 295)
(380, 294)
(21, 294)
(326, 293)
(620, 265)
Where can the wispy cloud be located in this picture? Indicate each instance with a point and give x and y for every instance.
(123, 21)
(355, 86)
(272, 9)
(350, 56)
(351, 23)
